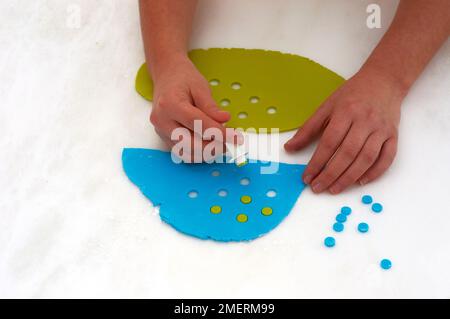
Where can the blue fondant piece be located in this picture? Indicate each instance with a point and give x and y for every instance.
(377, 208)
(338, 227)
(169, 185)
(330, 242)
(367, 199)
(363, 227)
(341, 218)
(386, 264)
(346, 210)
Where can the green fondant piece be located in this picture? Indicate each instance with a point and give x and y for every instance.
(260, 89)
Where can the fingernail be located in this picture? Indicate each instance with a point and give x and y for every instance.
(316, 187)
(363, 181)
(335, 189)
(307, 179)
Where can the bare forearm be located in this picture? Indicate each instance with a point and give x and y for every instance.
(417, 32)
(166, 26)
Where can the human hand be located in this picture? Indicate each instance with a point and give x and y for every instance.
(359, 126)
(181, 96)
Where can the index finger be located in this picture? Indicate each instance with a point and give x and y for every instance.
(188, 114)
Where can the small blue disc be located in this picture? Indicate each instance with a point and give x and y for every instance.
(330, 242)
(377, 207)
(367, 199)
(346, 210)
(363, 227)
(338, 227)
(341, 218)
(386, 264)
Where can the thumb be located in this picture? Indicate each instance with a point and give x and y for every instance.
(205, 102)
(306, 133)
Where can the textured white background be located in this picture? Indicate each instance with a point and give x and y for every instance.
(72, 225)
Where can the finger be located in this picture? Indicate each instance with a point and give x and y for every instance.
(332, 137)
(342, 159)
(204, 101)
(305, 134)
(387, 155)
(167, 141)
(194, 150)
(165, 126)
(197, 121)
(205, 151)
(184, 154)
(365, 159)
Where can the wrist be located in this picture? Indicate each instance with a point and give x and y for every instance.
(398, 86)
(161, 63)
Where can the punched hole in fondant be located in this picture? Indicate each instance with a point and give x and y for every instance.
(271, 110)
(271, 193)
(225, 102)
(245, 181)
(254, 99)
(214, 82)
(236, 86)
(193, 194)
(242, 115)
(222, 193)
(215, 173)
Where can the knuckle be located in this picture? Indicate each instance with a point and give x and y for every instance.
(349, 152)
(391, 130)
(311, 170)
(191, 116)
(327, 143)
(353, 107)
(346, 180)
(154, 119)
(327, 177)
(370, 155)
(373, 115)
(163, 102)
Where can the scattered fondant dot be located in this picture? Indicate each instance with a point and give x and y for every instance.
(346, 210)
(216, 209)
(377, 207)
(367, 199)
(242, 218)
(363, 227)
(386, 264)
(341, 218)
(266, 211)
(338, 227)
(330, 242)
(246, 199)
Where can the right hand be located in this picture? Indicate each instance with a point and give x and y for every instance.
(182, 95)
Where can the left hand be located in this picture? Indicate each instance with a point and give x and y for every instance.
(359, 126)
